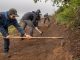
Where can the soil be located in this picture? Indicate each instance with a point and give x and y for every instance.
(41, 49)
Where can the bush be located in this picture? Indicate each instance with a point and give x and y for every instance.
(69, 15)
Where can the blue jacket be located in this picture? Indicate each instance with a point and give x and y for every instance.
(5, 22)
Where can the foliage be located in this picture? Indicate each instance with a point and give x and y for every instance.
(69, 15)
(56, 2)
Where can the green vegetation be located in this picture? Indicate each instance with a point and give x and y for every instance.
(12, 30)
(69, 14)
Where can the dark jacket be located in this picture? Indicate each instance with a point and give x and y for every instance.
(5, 22)
(46, 15)
(31, 16)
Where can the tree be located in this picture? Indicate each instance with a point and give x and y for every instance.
(56, 2)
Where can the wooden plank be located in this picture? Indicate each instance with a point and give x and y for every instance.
(14, 37)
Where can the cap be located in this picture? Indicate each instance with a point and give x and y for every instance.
(13, 11)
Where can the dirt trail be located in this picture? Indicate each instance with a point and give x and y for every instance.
(40, 49)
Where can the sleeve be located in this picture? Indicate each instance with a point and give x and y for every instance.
(4, 31)
(0, 16)
(34, 18)
(18, 27)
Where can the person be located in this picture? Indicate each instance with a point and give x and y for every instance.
(31, 19)
(38, 13)
(46, 17)
(7, 19)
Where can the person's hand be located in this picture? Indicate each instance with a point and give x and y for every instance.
(8, 36)
(28, 36)
(41, 33)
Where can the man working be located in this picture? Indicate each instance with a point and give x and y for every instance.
(46, 17)
(31, 20)
(7, 19)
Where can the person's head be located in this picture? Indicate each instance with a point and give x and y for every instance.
(47, 13)
(33, 11)
(12, 13)
(38, 11)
